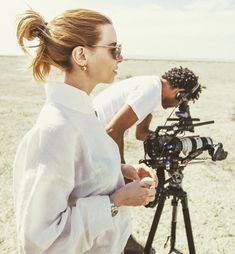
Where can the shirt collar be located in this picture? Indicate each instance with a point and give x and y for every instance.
(69, 96)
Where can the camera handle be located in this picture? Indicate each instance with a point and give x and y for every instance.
(177, 194)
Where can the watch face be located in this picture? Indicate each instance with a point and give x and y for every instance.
(114, 209)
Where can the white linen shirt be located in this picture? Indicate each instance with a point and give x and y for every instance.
(66, 158)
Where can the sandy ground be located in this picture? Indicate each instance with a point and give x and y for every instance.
(210, 185)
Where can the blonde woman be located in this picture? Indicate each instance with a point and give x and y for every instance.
(69, 191)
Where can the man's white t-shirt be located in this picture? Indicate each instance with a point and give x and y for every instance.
(142, 93)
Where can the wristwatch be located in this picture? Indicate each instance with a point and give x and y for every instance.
(114, 208)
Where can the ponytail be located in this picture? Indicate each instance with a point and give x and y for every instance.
(32, 26)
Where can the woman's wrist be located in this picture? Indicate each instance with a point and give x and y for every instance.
(116, 197)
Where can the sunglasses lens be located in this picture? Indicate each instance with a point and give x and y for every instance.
(116, 52)
(113, 52)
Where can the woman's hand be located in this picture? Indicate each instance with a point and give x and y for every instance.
(145, 171)
(138, 172)
(137, 193)
(129, 172)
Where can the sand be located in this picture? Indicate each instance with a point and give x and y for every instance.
(210, 185)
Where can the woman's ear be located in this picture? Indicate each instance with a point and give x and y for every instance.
(79, 56)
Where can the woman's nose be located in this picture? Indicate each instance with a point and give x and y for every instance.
(120, 59)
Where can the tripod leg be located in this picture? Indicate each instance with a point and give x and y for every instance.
(187, 223)
(155, 222)
(174, 204)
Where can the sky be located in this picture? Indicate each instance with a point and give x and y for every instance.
(152, 29)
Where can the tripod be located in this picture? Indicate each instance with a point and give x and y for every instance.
(175, 190)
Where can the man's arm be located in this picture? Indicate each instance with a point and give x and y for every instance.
(122, 121)
(142, 129)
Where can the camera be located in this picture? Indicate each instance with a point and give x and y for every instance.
(167, 150)
(169, 147)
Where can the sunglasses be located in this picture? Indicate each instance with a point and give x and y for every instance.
(114, 50)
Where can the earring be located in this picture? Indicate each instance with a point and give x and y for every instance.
(84, 67)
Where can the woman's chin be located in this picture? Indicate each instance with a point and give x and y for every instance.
(110, 80)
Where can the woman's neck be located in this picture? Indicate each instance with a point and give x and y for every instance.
(79, 80)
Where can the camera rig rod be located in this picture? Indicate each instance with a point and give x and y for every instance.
(181, 127)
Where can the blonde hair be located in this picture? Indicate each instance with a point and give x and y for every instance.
(58, 38)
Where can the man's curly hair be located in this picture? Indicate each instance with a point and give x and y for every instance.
(183, 78)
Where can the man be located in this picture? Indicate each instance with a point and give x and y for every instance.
(131, 102)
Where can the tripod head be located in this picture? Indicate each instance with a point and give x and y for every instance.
(165, 151)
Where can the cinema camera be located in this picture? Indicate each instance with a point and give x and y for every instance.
(167, 151)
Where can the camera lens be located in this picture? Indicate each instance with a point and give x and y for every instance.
(190, 144)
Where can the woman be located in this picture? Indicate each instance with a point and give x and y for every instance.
(70, 196)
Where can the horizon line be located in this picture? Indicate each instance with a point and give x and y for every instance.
(146, 58)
